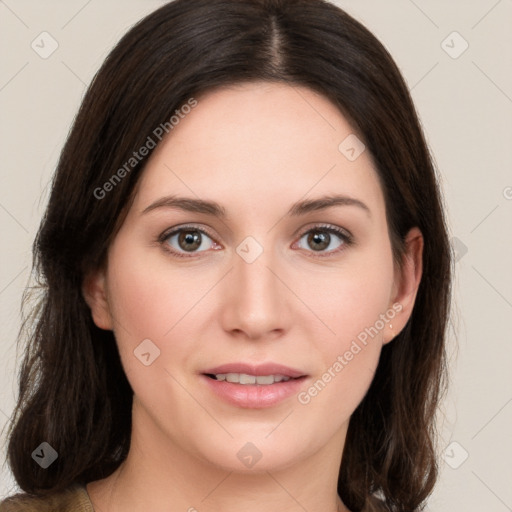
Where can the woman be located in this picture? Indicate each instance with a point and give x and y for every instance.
(246, 276)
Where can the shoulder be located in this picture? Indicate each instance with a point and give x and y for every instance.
(72, 499)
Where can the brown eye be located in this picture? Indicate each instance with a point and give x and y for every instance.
(318, 240)
(325, 240)
(187, 239)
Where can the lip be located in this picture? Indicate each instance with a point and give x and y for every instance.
(256, 369)
(253, 396)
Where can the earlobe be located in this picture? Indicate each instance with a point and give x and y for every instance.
(95, 294)
(407, 282)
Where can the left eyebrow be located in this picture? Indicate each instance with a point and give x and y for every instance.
(321, 203)
(215, 209)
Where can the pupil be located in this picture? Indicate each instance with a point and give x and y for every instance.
(190, 238)
(321, 240)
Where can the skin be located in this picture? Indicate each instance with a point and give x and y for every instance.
(256, 149)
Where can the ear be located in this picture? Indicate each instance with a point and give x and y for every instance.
(407, 281)
(95, 294)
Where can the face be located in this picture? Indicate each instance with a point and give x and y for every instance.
(255, 310)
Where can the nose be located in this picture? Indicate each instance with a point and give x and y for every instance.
(255, 299)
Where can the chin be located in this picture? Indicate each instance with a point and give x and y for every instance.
(252, 454)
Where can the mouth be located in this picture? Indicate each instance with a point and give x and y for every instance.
(246, 379)
(247, 373)
(254, 386)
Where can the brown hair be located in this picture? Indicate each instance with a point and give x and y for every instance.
(73, 392)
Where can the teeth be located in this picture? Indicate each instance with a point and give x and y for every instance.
(243, 378)
(266, 379)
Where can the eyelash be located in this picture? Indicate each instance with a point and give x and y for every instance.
(345, 237)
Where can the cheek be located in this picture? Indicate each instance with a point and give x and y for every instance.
(138, 302)
(350, 356)
(143, 308)
(351, 300)
(340, 388)
(147, 299)
(151, 300)
(146, 304)
(355, 304)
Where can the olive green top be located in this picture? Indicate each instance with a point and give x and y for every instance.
(76, 499)
(72, 499)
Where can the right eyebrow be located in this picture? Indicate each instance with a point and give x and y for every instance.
(188, 204)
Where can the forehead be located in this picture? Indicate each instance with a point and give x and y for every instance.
(251, 141)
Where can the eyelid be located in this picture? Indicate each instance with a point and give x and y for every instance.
(183, 227)
(328, 227)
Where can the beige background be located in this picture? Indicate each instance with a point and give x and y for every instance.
(465, 104)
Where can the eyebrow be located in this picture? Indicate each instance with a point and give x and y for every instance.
(214, 209)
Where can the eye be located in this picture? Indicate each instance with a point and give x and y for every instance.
(321, 240)
(187, 239)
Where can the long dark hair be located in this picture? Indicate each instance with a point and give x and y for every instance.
(73, 392)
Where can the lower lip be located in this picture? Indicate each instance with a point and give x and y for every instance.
(252, 396)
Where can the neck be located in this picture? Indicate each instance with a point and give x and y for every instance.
(158, 474)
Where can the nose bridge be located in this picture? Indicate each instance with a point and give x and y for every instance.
(256, 304)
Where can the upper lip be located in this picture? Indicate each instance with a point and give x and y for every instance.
(256, 369)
